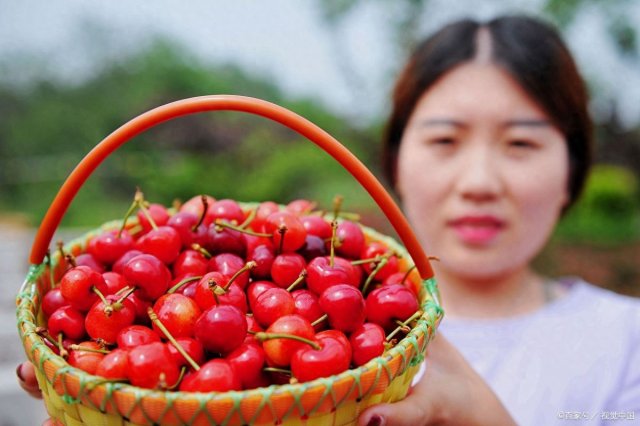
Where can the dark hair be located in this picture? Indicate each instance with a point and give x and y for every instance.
(532, 52)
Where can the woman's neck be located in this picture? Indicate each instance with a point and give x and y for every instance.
(512, 294)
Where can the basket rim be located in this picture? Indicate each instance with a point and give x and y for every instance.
(407, 350)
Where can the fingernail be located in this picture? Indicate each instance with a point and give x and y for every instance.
(19, 372)
(376, 420)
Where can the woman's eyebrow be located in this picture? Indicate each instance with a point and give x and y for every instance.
(428, 122)
(527, 122)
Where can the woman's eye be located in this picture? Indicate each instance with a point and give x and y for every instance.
(444, 141)
(521, 144)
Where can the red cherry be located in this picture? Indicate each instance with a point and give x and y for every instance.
(373, 249)
(321, 275)
(68, 321)
(158, 213)
(86, 259)
(227, 210)
(216, 375)
(110, 245)
(351, 238)
(306, 305)
(195, 206)
(367, 342)
(387, 304)
(309, 363)
(224, 240)
(221, 329)
(190, 262)
(317, 226)
(151, 366)
(119, 265)
(115, 282)
(313, 247)
(163, 242)
(105, 320)
(263, 211)
(136, 335)
(77, 287)
(141, 306)
(271, 305)
(279, 350)
(213, 289)
(84, 356)
(52, 301)
(340, 337)
(264, 256)
(228, 264)
(344, 306)
(178, 314)
(193, 348)
(149, 274)
(288, 233)
(286, 268)
(300, 207)
(184, 224)
(403, 279)
(114, 365)
(248, 359)
(256, 288)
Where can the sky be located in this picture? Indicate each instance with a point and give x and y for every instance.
(284, 40)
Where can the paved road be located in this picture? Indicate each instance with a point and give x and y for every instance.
(16, 408)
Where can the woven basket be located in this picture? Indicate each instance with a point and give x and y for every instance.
(74, 397)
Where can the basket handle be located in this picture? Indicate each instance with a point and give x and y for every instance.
(226, 103)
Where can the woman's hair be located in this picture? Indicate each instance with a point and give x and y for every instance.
(532, 52)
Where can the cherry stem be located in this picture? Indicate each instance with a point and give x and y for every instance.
(365, 261)
(61, 349)
(249, 219)
(337, 205)
(298, 280)
(126, 294)
(262, 336)
(100, 295)
(183, 282)
(154, 318)
(247, 267)
(277, 370)
(383, 261)
(85, 349)
(404, 324)
(63, 254)
(146, 214)
(71, 260)
(183, 370)
(203, 251)
(332, 243)
(129, 212)
(205, 207)
(223, 224)
(319, 320)
(215, 290)
(406, 275)
(282, 230)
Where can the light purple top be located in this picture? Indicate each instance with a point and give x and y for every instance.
(575, 361)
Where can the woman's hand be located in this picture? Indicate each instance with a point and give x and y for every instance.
(27, 379)
(449, 393)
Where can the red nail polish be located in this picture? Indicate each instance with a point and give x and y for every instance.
(375, 420)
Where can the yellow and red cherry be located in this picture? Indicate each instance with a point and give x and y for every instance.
(78, 284)
(178, 313)
(284, 337)
(86, 356)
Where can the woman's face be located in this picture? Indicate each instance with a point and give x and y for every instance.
(482, 173)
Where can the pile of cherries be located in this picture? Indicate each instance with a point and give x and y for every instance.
(211, 296)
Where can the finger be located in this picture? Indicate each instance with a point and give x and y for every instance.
(411, 411)
(27, 379)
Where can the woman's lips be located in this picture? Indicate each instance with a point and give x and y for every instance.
(477, 230)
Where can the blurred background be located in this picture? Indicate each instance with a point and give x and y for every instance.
(71, 72)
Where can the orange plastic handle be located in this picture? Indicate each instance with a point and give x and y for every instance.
(226, 103)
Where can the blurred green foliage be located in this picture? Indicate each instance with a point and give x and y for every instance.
(609, 210)
(47, 127)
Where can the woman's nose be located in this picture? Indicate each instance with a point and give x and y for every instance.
(478, 178)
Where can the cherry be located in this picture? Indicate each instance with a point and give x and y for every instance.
(403, 278)
(224, 240)
(264, 256)
(351, 239)
(214, 289)
(68, 321)
(216, 375)
(387, 304)
(263, 211)
(141, 306)
(313, 247)
(367, 342)
(77, 287)
(107, 317)
(190, 262)
(287, 231)
(192, 347)
(316, 226)
(151, 366)
(286, 268)
(163, 242)
(115, 282)
(340, 337)
(331, 358)
(110, 245)
(271, 305)
(178, 313)
(52, 301)
(321, 274)
(221, 329)
(86, 259)
(196, 207)
(256, 288)
(228, 264)
(284, 337)
(159, 216)
(136, 335)
(377, 249)
(344, 306)
(306, 305)
(119, 264)
(248, 359)
(114, 365)
(300, 207)
(86, 356)
(149, 274)
(227, 210)
(188, 227)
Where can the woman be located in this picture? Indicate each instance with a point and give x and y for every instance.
(488, 143)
